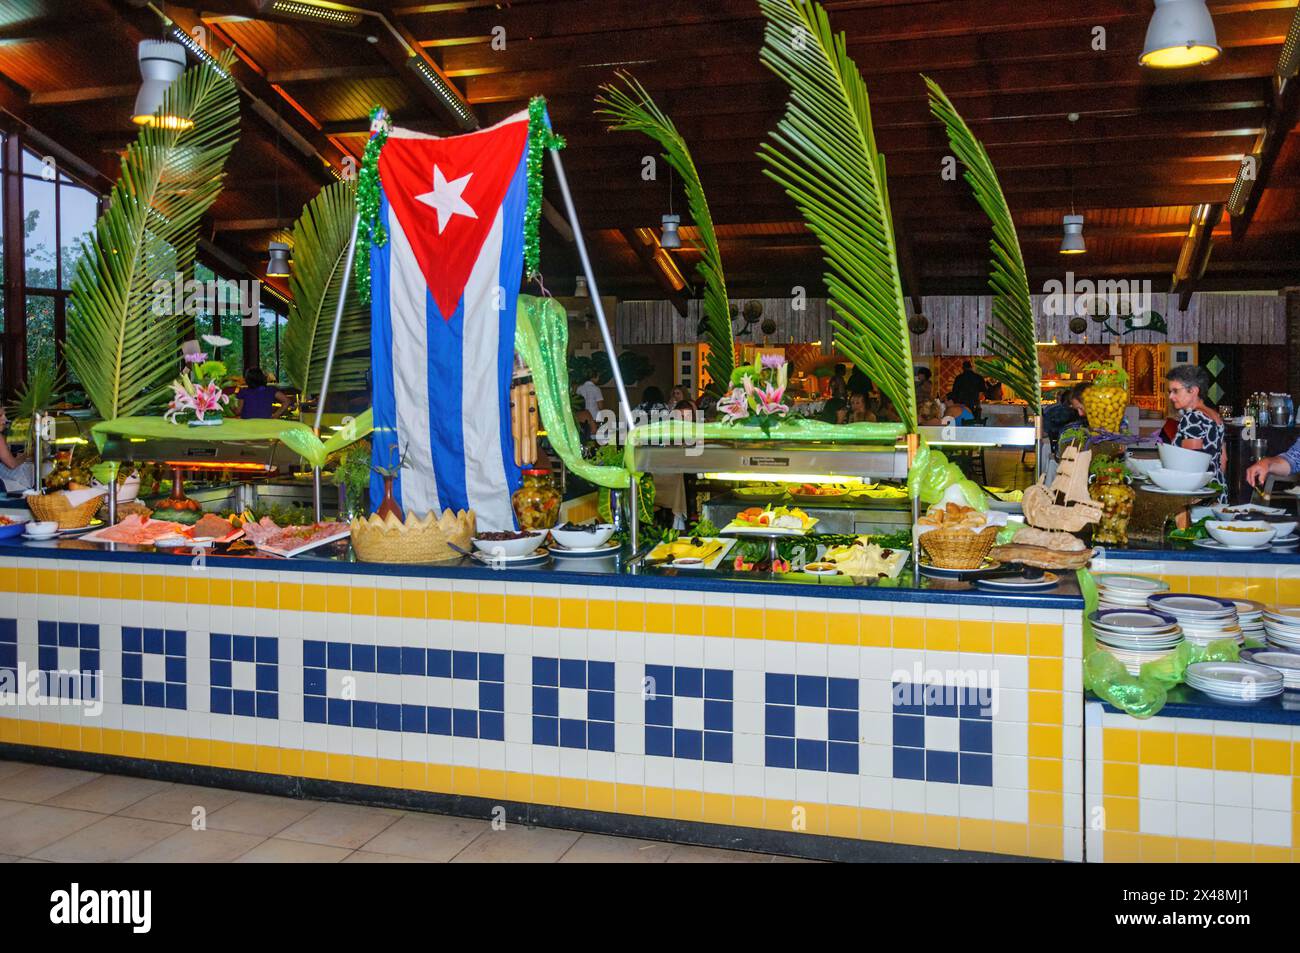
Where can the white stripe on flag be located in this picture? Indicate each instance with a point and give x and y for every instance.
(408, 306)
(485, 474)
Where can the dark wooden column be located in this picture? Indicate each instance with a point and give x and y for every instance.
(15, 286)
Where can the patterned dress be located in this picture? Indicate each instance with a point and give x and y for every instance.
(1198, 425)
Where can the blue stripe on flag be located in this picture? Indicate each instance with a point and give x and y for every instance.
(446, 380)
(383, 447)
(512, 268)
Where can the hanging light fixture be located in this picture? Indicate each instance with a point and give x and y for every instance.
(580, 287)
(670, 238)
(277, 265)
(1180, 34)
(1072, 239)
(161, 64)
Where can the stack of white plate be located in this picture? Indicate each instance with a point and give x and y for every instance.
(1250, 615)
(1203, 619)
(1282, 626)
(1135, 636)
(1235, 681)
(1288, 663)
(1120, 590)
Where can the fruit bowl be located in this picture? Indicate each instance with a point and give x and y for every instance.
(589, 537)
(517, 545)
(1179, 480)
(1244, 534)
(1177, 458)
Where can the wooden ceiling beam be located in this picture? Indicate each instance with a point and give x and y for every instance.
(84, 94)
(320, 74)
(645, 243)
(1194, 256)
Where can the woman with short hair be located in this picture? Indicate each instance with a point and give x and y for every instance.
(1199, 426)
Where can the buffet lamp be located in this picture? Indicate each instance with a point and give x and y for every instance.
(278, 264)
(313, 11)
(161, 64)
(217, 465)
(1072, 240)
(1180, 34)
(783, 477)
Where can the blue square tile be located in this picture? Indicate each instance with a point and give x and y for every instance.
(842, 758)
(600, 676)
(8, 630)
(491, 696)
(688, 743)
(313, 653)
(313, 709)
(222, 676)
(812, 690)
(439, 720)
(546, 701)
(659, 741)
(68, 635)
(412, 661)
(717, 746)
(842, 693)
(175, 642)
(658, 681)
(268, 705)
(313, 681)
(573, 733)
(267, 678)
(941, 701)
(388, 715)
(8, 655)
(546, 671)
(909, 763)
(976, 769)
(413, 718)
(219, 699)
(941, 766)
(340, 710)
(153, 641)
(718, 683)
(155, 695)
(365, 715)
(268, 648)
(174, 669)
(89, 635)
(842, 725)
(89, 660)
(47, 657)
(600, 706)
(132, 665)
(780, 720)
(245, 703)
(909, 731)
(218, 645)
(363, 658)
(779, 752)
(977, 703)
(659, 710)
(573, 673)
(438, 663)
(717, 715)
(491, 667)
(464, 723)
(780, 689)
(907, 698)
(811, 755)
(338, 653)
(492, 725)
(688, 682)
(176, 696)
(47, 633)
(132, 691)
(600, 736)
(464, 665)
(388, 659)
(975, 735)
(546, 731)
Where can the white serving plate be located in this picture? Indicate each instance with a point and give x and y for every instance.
(344, 533)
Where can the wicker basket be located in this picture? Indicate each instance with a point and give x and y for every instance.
(53, 507)
(417, 540)
(958, 548)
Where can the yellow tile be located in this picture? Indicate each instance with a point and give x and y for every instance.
(1046, 809)
(1203, 585)
(1047, 842)
(1232, 754)
(26, 580)
(245, 760)
(364, 770)
(1120, 779)
(546, 790)
(688, 619)
(1226, 852)
(9, 731)
(519, 610)
(413, 605)
(841, 628)
(1045, 708)
(688, 805)
(65, 582)
(1046, 639)
(70, 737)
(389, 773)
(573, 613)
(841, 821)
(464, 606)
(659, 617)
(266, 595)
(573, 792)
(223, 756)
(546, 612)
(176, 749)
(778, 625)
(267, 760)
(291, 597)
(155, 750)
(437, 604)
(1046, 673)
(1122, 848)
(1157, 747)
(132, 586)
(8, 579)
(218, 591)
(658, 802)
(174, 589)
(519, 786)
(196, 591)
(1288, 591)
(491, 607)
(1121, 813)
(92, 739)
(338, 600)
(110, 585)
(781, 815)
(1262, 590)
(290, 761)
(876, 824)
(876, 631)
(630, 799)
(465, 782)
(909, 632)
(747, 812)
(600, 796)
(1194, 751)
(151, 588)
(413, 775)
(1045, 741)
(810, 626)
(941, 634)
(199, 751)
(50, 735)
(438, 777)
(629, 616)
(241, 593)
(1120, 744)
(388, 602)
(1045, 774)
(975, 834)
(1232, 587)
(1010, 638)
(29, 732)
(941, 831)
(87, 584)
(1272, 855)
(719, 621)
(974, 636)
(601, 614)
(815, 818)
(1155, 849)
(1272, 757)
(909, 828)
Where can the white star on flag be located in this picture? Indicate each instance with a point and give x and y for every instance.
(445, 199)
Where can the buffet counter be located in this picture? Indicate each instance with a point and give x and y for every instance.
(827, 721)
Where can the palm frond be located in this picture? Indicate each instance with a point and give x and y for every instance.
(825, 158)
(634, 110)
(320, 248)
(1011, 335)
(122, 350)
(37, 392)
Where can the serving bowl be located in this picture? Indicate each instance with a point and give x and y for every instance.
(1177, 458)
(510, 548)
(591, 537)
(1227, 511)
(1184, 480)
(1141, 466)
(1244, 534)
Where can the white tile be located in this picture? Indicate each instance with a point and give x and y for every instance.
(811, 787)
(876, 760)
(1011, 804)
(1232, 824)
(779, 783)
(1195, 786)
(909, 796)
(749, 780)
(941, 734)
(1271, 792)
(976, 801)
(1157, 817)
(748, 749)
(941, 798)
(810, 723)
(1272, 828)
(1010, 772)
(1157, 782)
(1232, 789)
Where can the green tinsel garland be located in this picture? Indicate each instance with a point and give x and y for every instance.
(540, 138)
(372, 231)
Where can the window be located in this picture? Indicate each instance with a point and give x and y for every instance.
(269, 332)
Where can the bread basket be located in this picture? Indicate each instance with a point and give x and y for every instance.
(54, 507)
(958, 548)
(415, 540)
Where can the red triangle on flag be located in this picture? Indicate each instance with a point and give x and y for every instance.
(445, 193)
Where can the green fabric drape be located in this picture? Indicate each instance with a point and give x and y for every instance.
(542, 337)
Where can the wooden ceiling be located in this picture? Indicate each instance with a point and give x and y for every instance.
(1148, 147)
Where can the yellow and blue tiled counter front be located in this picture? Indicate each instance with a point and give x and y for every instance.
(934, 724)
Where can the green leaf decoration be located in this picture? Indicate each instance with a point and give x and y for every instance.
(825, 158)
(633, 110)
(37, 392)
(119, 346)
(1011, 336)
(320, 249)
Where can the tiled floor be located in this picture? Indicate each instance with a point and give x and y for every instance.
(56, 814)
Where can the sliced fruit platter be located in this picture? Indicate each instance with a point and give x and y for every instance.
(759, 492)
(143, 531)
(815, 492)
(780, 521)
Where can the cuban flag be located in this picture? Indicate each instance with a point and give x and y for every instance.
(443, 294)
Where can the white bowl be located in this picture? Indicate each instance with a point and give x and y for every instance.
(42, 528)
(1183, 480)
(1142, 466)
(592, 537)
(1282, 527)
(1241, 533)
(1177, 458)
(1227, 511)
(510, 547)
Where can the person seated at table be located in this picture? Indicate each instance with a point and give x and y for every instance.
(257, 398)
(957, 413)
(1199, 427)
(16, 472)
(1284, 464)
(860, 411)
(1065, 413)
(834, 411)
(930, 413)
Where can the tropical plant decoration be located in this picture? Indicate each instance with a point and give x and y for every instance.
(1011, 334)
(824, 155)
(633, 110)
(320, 247)
(37, 392)
(757, 395)
(121, 350)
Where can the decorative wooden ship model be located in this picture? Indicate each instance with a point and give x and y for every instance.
(1053, 513)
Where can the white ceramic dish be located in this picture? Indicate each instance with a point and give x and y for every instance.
(1185, 481)
(1189, 461)
(1243, 534)
(510, 548)
(1141, 466)
(592, 538)
(1249, 510)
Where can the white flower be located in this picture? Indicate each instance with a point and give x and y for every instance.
(216, 340)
